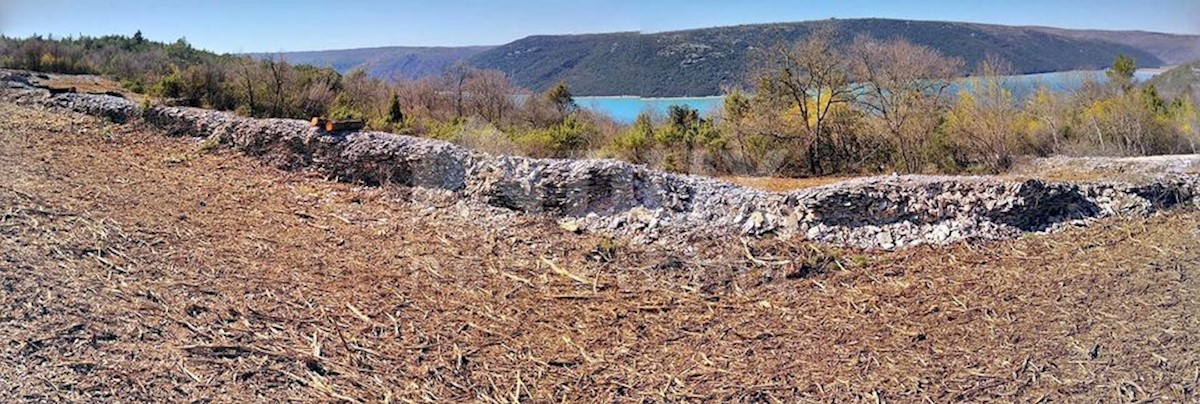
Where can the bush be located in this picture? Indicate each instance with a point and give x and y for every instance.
(168, 86)
(635, 143)
(133, 85)
(570, 138)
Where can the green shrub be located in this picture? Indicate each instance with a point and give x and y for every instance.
(169, 86)
(133, 85)
(567, 139)
(343, 108)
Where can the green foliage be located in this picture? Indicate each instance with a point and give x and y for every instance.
(560, 97)
(394, 115)
(343, 108)
(1157, 103)
(133, 85)
(1122, 70)
(685, 127)
(635, 143)
(768, 131)
(169, 86)
(736, 105)
(445, 130)
(570, 138)
(1181, 81)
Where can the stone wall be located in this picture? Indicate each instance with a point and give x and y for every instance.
(626, 200)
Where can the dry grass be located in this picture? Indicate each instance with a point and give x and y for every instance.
(87, 84)
(777, 184)
(136, 267)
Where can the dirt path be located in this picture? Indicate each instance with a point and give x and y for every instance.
(138, 267)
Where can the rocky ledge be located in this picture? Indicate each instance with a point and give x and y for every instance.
(626, 200)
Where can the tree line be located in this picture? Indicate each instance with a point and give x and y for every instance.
(820, 106)
(828, 105)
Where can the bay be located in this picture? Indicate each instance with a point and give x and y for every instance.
(625, 109)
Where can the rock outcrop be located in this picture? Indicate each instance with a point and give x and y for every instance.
(627, 200)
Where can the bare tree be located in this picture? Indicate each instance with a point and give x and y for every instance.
(423, 98)
(454, 82)
(813, 76)
(1052, 112)
(247, 81)
(490, 94)
(986, 117)
(278, 74)
(903, 87)
(366, 95)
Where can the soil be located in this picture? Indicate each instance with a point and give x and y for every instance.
(136, 267)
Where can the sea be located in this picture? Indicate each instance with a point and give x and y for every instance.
(625, 109)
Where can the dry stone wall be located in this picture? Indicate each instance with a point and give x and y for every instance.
(627, 200)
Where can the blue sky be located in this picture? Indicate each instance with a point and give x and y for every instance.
(271, 26)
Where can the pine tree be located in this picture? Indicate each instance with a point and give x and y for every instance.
(1122, 71)
(560, 97)
(395, 115)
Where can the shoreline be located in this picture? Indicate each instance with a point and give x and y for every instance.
(1150, 70)
(635, 97)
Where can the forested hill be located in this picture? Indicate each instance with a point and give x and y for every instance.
(699, 62)
(1181, 80)
(391, 62)
(702, 61)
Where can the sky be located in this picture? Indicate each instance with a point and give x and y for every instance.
(278, 26)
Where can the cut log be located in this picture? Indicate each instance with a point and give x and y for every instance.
(319, 122)
(339, 126)
(57, 90)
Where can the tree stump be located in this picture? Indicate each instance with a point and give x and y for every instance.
(339, 126)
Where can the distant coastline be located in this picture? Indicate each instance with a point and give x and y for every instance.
(626, 108)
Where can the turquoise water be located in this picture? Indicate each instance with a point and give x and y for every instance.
(626, 109)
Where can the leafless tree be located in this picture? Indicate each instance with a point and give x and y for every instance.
(246, 78)
(454, 82)
(278, 75)
(490, 94)
(422, 96)
(986, 117)
(813, 76)
(903, 87)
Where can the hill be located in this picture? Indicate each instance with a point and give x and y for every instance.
(385, 62)
(1170, 48)
(701, 61)
(1183, 79)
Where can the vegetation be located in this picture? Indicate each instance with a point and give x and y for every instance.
(819, 108)
(127, 272)
(1182, 80)
(706, 61)
(463, 97)
(824, 105)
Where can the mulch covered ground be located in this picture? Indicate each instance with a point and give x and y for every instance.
(138, 267)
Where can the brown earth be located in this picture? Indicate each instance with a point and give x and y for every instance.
(85, 83)
(138, 267)
(777, 184)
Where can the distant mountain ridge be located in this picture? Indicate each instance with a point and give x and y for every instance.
(700, 62)
(1172, 49)
(389, 62)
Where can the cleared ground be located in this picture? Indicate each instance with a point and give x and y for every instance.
(137, 267)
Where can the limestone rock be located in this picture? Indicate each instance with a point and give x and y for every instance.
(622, 199)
